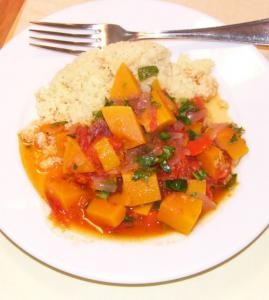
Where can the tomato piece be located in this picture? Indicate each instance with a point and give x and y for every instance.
(152, 111)
(199, 145)
(199, 103)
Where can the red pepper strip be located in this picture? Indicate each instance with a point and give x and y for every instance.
(152, 113)
(199, 145)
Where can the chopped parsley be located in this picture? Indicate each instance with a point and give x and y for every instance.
(233, 180)
(164, 135)
(147, 72)
(192, 135)
(233, 139)
(237, 129)
(199, 175)
(102, 194)
(108, 102)
(147, 161)
(184, 119)
(142, 174)
(168, 151)
(177, 185)
(97, 114)
(165, 167)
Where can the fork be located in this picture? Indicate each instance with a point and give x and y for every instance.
(79, 37)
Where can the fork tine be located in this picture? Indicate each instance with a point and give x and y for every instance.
(78, 35)
(64, 42)
(67, 25)
(65, 50)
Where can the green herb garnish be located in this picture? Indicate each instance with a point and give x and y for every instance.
(231, 182)
(199, 175)
(102, 194)
(126, 102)
(184, 119)
(164, 135)
(147, 72)
(165, 167)
(58, 124)
(192, 135)
(186, 106)
(194, 194)
(97, 114)
(237, 129)
(177, 185)
(168, 151)
(233, 139)
(147, 161)
(108, 102)
(142, 174)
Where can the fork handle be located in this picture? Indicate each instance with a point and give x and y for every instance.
(255, 32)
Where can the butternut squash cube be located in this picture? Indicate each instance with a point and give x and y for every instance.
(143, 209)
(196, 186)
(180, 211)
(106, 154)
(106, 213)
(122, 122)
(164, 116)
(75, 160)
(65, 192)
(137, 192)
(213, 161)
(234, 145)
(125, 85)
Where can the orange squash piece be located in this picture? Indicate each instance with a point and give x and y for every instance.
(164, 115)
(105, 213)
(65, 192)
(75, 160)
(122, 122)
(212, 159)
(232, 143)
(180, 211)
(125, 85)
(106, 154)
(137, 192)
(196, 186)
(143, 209)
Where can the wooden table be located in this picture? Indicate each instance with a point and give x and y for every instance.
(244, 277)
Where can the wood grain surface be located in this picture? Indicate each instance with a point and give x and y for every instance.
(9, 10)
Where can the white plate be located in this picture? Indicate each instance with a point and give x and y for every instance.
(243, 76)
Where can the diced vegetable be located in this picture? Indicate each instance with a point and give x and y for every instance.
(125, 85)
(164, 135)
(64, 192)
(147, 72)
(137, 192)
(164, 116)
(199, 174)
(105, 213)
(196, 127)
(229, 140)
(212, 160)
(106, 154)
(122, 122)
(60, 143)
(180, 211)
(177, 185)
(196, 187)
(75, 160)
(199, 145)
(143, 209)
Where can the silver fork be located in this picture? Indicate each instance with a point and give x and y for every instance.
(79, 37)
